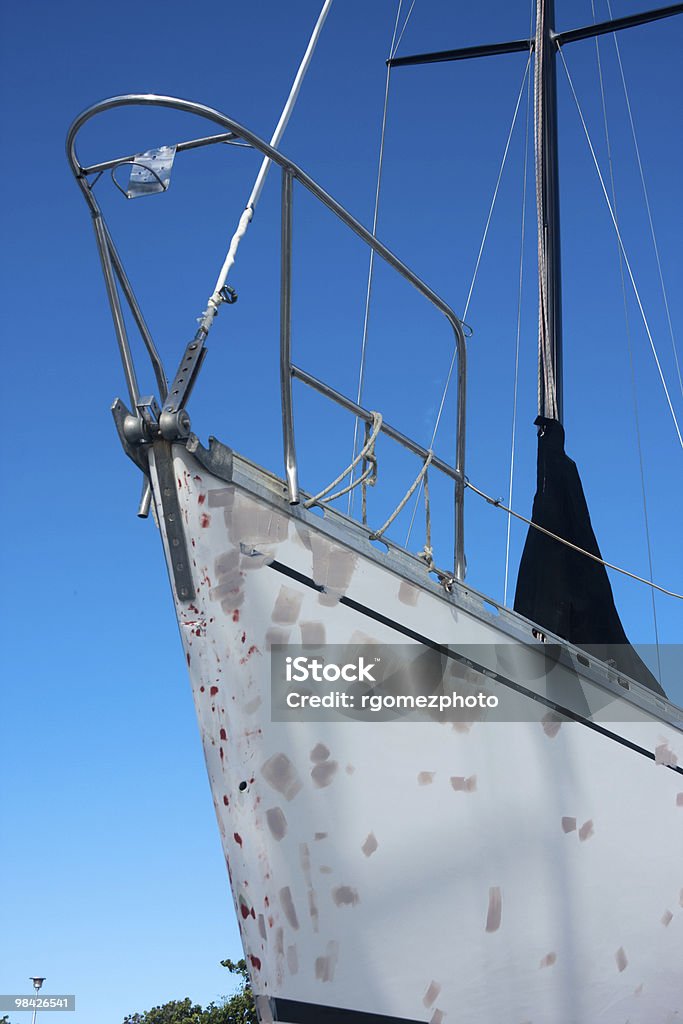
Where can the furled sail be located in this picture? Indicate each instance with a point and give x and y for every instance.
(559, 588)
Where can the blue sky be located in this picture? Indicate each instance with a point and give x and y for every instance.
(114, 885)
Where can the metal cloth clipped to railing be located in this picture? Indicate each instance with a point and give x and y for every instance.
(171, 422)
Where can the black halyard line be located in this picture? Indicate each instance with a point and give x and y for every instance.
(286, 570)
(295, 1012)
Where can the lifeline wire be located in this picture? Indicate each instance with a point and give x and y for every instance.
(623, 249)
(473, 281)
(634, 388)
(567, 543)
(371, 266)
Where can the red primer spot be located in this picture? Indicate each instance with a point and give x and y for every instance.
(204, 520)
(201, 499)
(244, 910)
(267, 901)
(201, 688)
(244, 637)
(224, 734)
(213, 691)
(238, 838)
(226, 801)
(188, 658)
(179, 484)
(222, 755)
(255, 962)
(253, 649)
(236, 615)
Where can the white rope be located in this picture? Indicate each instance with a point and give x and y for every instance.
(449, 375)
(517, 342)
(406, 498)
(567, 543)
(366, 452)
(623, 250)
(629, 341)
(647, 205)
(371, 265)
(368, 476)
(245, 219)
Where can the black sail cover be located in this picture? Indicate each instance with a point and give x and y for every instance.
(558, 588)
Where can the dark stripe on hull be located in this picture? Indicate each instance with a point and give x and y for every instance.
(294, 1012)
(450, 653)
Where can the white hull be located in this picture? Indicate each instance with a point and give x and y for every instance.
(506, 872)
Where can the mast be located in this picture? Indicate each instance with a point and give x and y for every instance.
(548, 208)
(545, 43)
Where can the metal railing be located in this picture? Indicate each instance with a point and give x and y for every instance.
(114, 272)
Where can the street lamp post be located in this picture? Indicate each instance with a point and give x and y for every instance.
(37, 985)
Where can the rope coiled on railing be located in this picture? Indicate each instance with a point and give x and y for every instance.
(366, 454)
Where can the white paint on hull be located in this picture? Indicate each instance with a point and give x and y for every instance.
(501, 872)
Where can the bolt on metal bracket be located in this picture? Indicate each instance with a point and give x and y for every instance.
(124, 421)
(137, 451)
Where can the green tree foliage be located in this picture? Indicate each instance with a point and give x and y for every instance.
(178, 1011)
(241, 1005)
(235, 1009)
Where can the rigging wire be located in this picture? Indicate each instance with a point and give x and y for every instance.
(634, 388)
(395, 41)
(623, 249)
(495, 192)
(517, 337)
(405, 25)
(449, 375)
(647, 204)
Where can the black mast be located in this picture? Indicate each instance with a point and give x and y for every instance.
(546, 43)
(548, 200)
